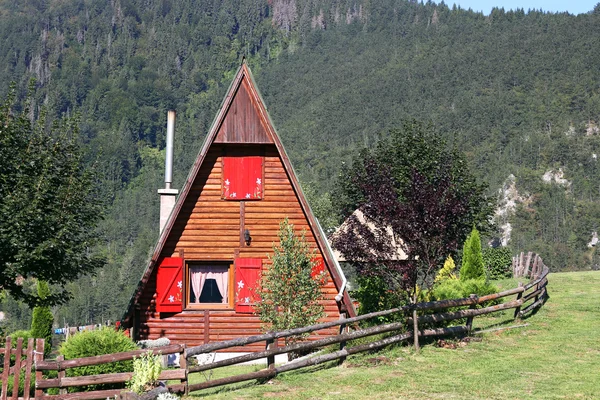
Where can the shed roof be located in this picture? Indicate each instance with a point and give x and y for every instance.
(387, 235)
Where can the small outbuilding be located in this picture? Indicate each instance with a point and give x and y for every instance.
(214, 244)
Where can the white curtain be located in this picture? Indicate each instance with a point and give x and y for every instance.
(199, 275)
(219, 274)
(197, 278)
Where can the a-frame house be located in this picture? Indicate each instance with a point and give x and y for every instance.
(195, 289)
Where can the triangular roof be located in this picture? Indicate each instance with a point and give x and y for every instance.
(386, 234)
(261, 131)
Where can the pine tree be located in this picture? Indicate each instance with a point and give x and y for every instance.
(289, 293)
(472, 261)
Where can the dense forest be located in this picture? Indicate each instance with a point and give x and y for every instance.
(517, 91)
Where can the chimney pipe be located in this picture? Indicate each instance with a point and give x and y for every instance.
(168, 195)
(169, 149)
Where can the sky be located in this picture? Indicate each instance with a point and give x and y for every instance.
(572, 6)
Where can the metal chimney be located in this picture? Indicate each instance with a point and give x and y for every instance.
(169, 156)
(168, 195)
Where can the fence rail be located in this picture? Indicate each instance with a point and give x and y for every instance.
(528, 298)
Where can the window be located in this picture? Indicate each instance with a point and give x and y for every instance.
(209, 285)
(242, 178)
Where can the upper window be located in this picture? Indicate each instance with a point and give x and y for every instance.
(242, 178)
(209, 285)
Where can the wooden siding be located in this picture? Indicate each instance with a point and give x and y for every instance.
(209, 228)
(243, 124)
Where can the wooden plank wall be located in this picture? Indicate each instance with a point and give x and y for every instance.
(209, 228)
(242, 123)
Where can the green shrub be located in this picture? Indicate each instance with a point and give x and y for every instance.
(498, 262)
(458, 289)
(42, 319)
(95, 343)
(373, 295)
(25, 334)
(472, 260)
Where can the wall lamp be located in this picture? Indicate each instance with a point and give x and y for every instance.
(247, 237)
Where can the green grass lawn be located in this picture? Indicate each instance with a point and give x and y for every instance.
(556, 357)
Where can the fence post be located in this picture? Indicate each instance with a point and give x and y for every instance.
(7, 346)
(184, 365)
(39, 356)
(17, 368)
(470, 319)
(271, 344)
(342, 344)
(519, 295)
(29, 363)
(61, 374)
(527, 262)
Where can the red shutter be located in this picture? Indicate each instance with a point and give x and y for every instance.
(242, 178)
(318, 267)
(247, 274)
(169, 285)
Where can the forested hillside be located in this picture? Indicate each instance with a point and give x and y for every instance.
(518, 92)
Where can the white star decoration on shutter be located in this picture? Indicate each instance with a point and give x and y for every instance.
(258, 181)
(246, 299)
(180, 284)
(171, 299)
(226, 181)
(240, 284)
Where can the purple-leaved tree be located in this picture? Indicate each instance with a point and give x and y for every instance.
(424, 220)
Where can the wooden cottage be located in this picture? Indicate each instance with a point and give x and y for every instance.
(214, 245)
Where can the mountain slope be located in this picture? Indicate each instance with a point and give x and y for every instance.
(518, 92)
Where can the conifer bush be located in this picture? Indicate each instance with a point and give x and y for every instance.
(472, 274)
(447, 271)
(42, 319)
(472, 260)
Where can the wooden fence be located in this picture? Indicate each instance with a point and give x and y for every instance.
(522, 262)
(24, 359)
(528, 298)
(62, 382)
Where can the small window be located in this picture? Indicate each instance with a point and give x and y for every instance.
(209, 285)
